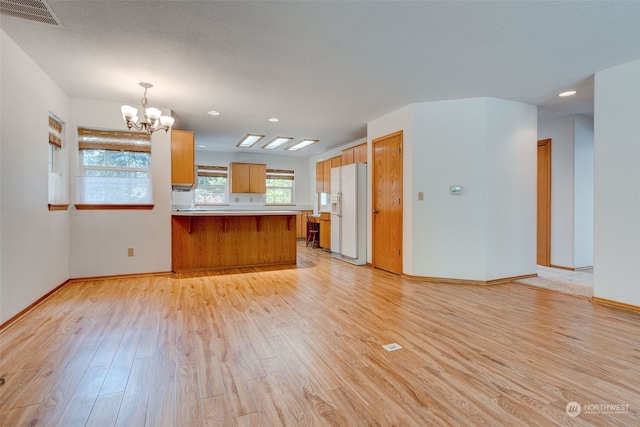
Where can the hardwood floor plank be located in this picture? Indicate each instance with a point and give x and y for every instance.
(301, 345)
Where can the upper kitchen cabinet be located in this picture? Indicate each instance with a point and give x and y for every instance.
(248, 178)
(182, 159)
(323, 173)
(357, 154)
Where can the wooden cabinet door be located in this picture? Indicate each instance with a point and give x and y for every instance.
(320, 177)
(326, 177)
(347, 157)
(182, 158)
(360, 153)
(248, 178)
(257, 178)
(239, 176)
(325, 231)
(336, 161)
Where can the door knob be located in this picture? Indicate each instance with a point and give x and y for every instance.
(375, 211)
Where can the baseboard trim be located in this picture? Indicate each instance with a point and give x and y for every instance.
(559, 267)
(469, 282)
(33, 305)
(120, 276)
(615, 303)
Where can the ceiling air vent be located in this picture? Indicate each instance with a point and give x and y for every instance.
(31, 10)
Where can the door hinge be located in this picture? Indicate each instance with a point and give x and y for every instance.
(398, 200)
(398, 252)
(399, 150)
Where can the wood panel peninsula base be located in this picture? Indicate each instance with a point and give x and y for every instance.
(203, 240)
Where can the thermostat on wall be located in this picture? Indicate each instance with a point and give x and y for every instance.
(455, 190)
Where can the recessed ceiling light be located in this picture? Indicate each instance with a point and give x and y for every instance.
(213, 113)
(568, 93)
(300, 145)
(202, 146)
(274, 120)
(276, 142)
(249, 140)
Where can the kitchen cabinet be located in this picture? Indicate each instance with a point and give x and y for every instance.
(325, 230)
(301, 224)
(323, 173)
(248, 178)
(326, 177)
(183, 171)
(320, 177)
(357, 154)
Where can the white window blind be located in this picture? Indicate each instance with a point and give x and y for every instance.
(115, 167)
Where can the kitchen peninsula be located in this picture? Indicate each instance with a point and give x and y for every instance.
(204, 240)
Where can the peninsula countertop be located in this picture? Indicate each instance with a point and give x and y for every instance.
(233, 212)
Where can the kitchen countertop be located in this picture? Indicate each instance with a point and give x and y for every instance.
(199, 212)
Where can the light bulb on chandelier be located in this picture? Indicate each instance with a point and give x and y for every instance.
(152, 120)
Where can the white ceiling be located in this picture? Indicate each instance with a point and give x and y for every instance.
(326, 68)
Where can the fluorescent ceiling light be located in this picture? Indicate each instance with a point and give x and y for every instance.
(300, 145)
(213, 113)
(249, 140)
(276, 142)
(568, 93)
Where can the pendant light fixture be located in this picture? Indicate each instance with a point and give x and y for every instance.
(152, 120)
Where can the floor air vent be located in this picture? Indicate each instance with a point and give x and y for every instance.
(31, 10)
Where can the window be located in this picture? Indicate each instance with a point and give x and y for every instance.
(115, 167)
(280, 186)
(56, 194)
(212, 185)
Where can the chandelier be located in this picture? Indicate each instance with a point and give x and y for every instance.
(152, 120)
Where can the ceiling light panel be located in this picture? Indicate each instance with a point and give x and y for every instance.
(277, 142)
(249, 140)
(302, 144)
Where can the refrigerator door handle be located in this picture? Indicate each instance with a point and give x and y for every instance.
(340, 204)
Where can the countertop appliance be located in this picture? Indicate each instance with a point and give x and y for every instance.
(349, 213)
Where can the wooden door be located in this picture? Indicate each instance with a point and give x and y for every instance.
(544, 203)
(387, 202)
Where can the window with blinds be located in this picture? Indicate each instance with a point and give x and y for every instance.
(115, 167)
(56, 191)
(213, 185)
(280, 187)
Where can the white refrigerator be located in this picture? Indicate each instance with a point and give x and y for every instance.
(349, 213)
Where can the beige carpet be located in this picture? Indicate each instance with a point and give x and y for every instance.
(578, 283)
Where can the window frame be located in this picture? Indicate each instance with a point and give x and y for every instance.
(215, 172)
(116, 141)
(281, 174)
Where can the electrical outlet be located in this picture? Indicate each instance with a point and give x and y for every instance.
(420, 195)
(237, 199)
(250, 199)
(130, 252)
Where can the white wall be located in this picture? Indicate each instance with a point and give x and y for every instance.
(617, 183)
(487, 146)
(303, 198)
(583, 193)
(571, 189)
(561, 132)
(511, 188)
(34, 242)
(100, 238)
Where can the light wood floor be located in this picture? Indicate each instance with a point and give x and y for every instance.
(302, 347)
